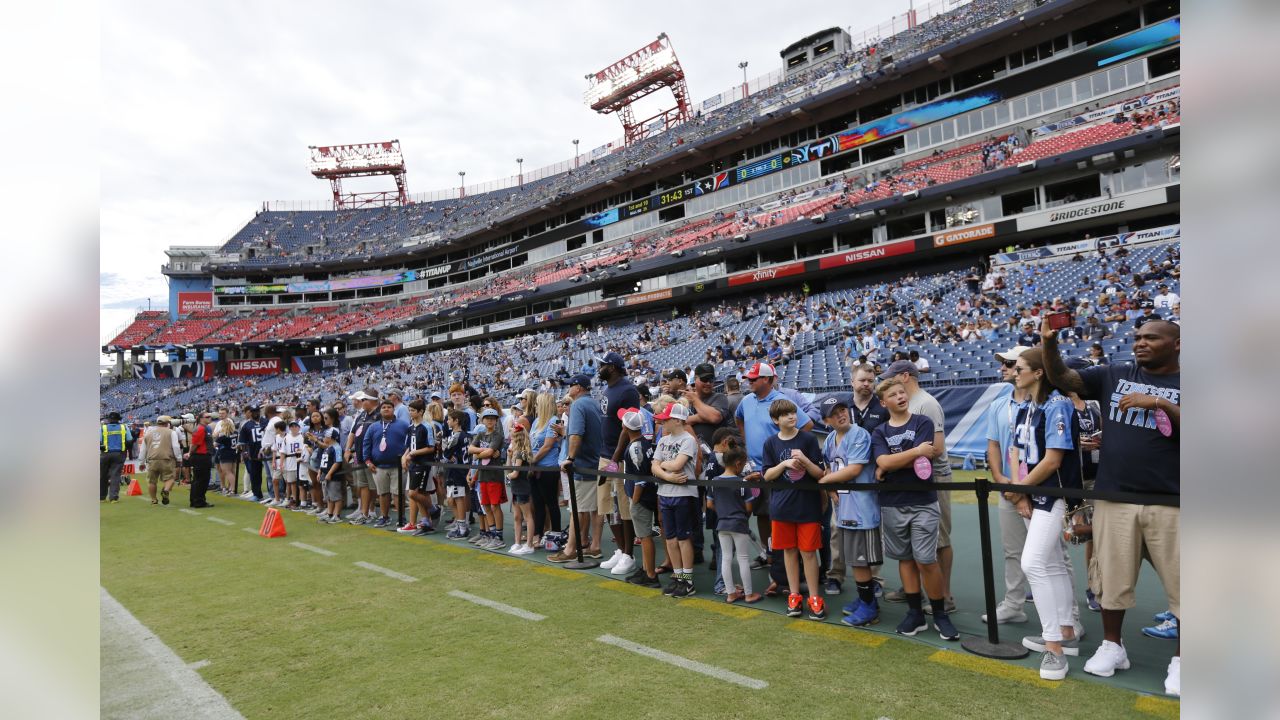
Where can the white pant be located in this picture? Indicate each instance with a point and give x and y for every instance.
(1048, 570)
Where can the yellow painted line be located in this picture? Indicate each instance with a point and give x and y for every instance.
(994, 668)
(627, 588)
(560, 572)
(849, 635)
(1160, 707)
(499, 559)
(720, 607)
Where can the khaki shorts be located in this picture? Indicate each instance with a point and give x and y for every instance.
(360, 476)
(1123, 536)
(944, 505)
(606, 493)
(585, 491)
(386, 481)
(161, 471)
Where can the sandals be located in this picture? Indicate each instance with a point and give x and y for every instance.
(733, 597)
(753, 598)
(662, 570)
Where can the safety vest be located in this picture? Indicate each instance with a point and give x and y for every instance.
(119, 432)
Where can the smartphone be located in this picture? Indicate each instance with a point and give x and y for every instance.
(1059, 320)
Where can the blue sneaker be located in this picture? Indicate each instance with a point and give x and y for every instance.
(913, 623)
(851, 607)
(864, 615)
(946, 630)
(1092, 599)
(719, 589)
(1167, 630)
(877, 589)
(1164, 617)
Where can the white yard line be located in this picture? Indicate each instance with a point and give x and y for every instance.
(389, 573)
(189, 511)
(143, 678)
(495, 605)
(314, 549)
(682, 662)
(251, 531)
(220, 521)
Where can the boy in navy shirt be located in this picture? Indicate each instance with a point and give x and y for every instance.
(329, 463)
(419, 450)
(909, 518)
(454, 449)
(791, 456)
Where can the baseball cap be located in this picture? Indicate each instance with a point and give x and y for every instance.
(113, 417)
(645, 392)
(704, 370)
(188, 417)
(830, 404)
(489, 412)
(358, 396)
(897, 367)
(396, 392)
(614, 359)
(1012, 353)
(631, 418)
(372, 392)
(435, 395)
(760, 370)
(674, 411)
(675, 373)
(164, 419)
(581, 379)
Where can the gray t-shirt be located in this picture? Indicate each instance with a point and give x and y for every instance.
(704, 431)
(922, 403)
(669, 447)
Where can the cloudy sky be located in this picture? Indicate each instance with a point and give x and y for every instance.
(208, 108)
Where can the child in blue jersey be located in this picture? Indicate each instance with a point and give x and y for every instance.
(328, 473)
(847, 451)
(419, 450)
(909, 519)
(454, 449)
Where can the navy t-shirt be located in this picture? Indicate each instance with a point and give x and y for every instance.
(454, 449)
(621, 394)
(1135, 456)
(888, 439)
(420, 436)
(872, 417)
(637, 459)
(786, 504)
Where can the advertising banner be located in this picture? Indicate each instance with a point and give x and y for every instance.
(645, 297)
(769, 273)
(172, 370)
(189, 302)
(508, 324)
(384, 349)
(969, 234)
(318, 363)
(864, 254)
(255, 366)
(1093, 208)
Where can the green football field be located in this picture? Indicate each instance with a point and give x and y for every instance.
(293, 627)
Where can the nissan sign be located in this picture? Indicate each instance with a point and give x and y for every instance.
(256, 366)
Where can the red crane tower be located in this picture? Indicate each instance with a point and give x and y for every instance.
(335, 162)
(643, 72)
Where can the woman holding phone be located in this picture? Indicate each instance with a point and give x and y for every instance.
(1045, 436)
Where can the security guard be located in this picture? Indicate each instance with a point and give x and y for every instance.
(114, 445)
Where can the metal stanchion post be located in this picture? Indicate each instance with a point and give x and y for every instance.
(989, 646)
(235, 478)
(581, 563)
(401, 499)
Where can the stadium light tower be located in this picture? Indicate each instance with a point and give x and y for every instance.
(575, 153)
(647, 70)
(336, 162)
(462, 185)
(743, 67)
(520, 176)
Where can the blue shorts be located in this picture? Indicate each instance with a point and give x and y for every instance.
(678, 516)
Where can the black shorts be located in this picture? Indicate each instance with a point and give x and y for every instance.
(420, 480)
(679, 516)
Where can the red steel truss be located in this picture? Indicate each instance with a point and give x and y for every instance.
(643, 72)
(336, 162)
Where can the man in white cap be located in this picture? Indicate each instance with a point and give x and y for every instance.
(162, 453)
(1013, 530)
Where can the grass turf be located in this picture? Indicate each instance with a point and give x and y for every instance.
(290, 633)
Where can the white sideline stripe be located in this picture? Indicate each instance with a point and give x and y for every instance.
(147, 679)
(385, 571)
(220, 521)
(314, 549)
(198, 665)
(682, 662)
(494, 604)
(252, 531)
(189, 511)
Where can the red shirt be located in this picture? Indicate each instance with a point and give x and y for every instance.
(199, 440)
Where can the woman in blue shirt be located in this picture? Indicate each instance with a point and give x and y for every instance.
(1044, 439)
(545, 484)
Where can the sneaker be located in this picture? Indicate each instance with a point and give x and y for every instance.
(671, 587)
(353, 515)
(479, 537)
(625, 565)
(946, 629)
(525, 550)
(949, 606)
(1162, 616)
(1006, 614)
(515, 549)
(913, 623)
(496, 542)
(877, 588)
(164, 497)
(649, 582)
(382, 522)
(1167, 630)
(1035, 643)
(817, 608)
(895, 596)
(833, 587)
(1109, 658)
(684, 590)
(455, 533)
(1092, 600)
(851, 607)
(613, 560)
(719, 588)
(407, 529)
(265, 501)
(323, 518)
(760, 562)
(794, 603)
(423, 530)
(1173, 680)
(1053, 667)
(334, 520)
(863, 615)
(635, 575)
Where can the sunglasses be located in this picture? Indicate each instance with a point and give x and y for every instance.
(707, 378)
(1010, 363)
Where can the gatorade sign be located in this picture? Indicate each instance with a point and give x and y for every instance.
(256, 366)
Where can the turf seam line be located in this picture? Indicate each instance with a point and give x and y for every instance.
(189, 511)
(314, 549)
(495, 605)
(220, 521)
(683, 662)
(250, 530)
(385, 571)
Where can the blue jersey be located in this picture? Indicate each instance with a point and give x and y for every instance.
(856, 510)
(1051, 426)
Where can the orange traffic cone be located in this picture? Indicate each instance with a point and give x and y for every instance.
(134, 487)
(272, 524)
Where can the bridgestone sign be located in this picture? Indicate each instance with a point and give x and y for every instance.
(1094, 208)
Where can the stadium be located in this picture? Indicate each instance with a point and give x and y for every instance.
(935, 192)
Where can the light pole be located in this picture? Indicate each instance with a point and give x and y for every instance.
(520, 177)
(462, 185)
(743, 67)
(575, 154)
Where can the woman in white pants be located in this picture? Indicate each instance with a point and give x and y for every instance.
(1044, 437)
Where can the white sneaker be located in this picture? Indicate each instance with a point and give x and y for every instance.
(1109, 658)
(352, 515)
(1173, 681)
(624, 566)
(608, 564)
(1079, 630)
(524, 550)
(266, 501)
(1005, 614)
(515, 549)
